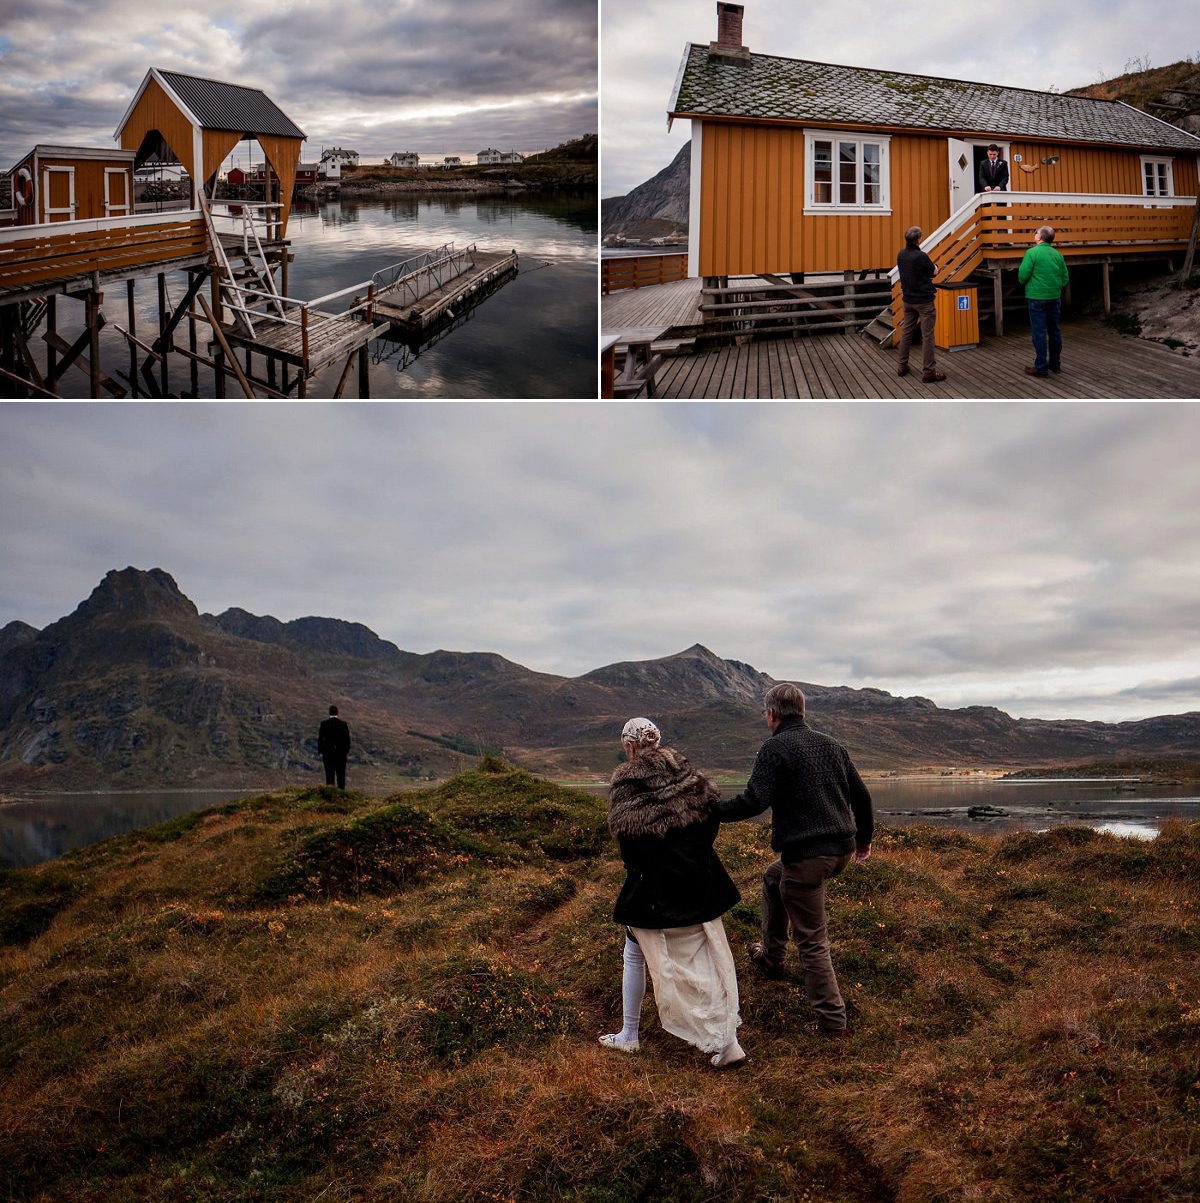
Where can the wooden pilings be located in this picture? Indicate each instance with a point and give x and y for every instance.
(42, 339)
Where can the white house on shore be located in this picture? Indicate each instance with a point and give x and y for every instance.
(405, 158)
(499, 156)
(452, 161)
(334, 159)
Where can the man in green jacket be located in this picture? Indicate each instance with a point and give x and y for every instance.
(1043, 271)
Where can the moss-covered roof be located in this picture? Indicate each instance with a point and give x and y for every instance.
(789, 89)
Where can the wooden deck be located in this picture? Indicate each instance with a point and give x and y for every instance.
(1097, 362)
(331, 337)
(640, 314)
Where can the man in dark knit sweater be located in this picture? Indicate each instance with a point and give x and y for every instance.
(821, 820)
(916, 271)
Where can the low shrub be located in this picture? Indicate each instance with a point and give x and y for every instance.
(472, 1003)
(30, 899)
(1124, 323)
(388, 849)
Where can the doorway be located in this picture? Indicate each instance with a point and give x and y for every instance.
(965, 156)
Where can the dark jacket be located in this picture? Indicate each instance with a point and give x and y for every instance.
(916, 275)
(333, 739)
(993, 177)
(661, 812)
(819, 804)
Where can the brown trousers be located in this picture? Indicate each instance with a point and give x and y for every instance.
(925, 314)
(795, 894)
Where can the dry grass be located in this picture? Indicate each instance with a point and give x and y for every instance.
(1026, 1018)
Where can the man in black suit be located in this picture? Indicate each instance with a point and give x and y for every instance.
(333, 746)
(993, 172)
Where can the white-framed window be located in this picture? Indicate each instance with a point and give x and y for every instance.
(1157, 177)
(846, 172)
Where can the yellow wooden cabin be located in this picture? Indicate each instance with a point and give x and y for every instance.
(198, 121)
(70, 183)
(807, 167)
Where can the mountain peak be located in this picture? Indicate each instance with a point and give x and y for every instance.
(134, 593)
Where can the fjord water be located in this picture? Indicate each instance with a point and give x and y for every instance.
(535, 337)
(36, 828)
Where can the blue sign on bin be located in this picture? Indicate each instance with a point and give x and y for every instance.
(964, 302)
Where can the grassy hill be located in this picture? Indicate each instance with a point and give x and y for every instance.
(581, 150)
(313, 995)
(1143, 88)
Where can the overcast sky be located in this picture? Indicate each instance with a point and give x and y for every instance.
(374, 76)
(1043, 558)
(1022, 43)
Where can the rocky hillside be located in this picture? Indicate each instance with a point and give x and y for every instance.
(1170, 93)
(663, 199)
(137, 688)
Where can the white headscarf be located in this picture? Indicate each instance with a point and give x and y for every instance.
(641, 732)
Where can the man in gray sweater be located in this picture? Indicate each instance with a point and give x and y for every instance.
(821, 820)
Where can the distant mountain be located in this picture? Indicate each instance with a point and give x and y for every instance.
(663, 199)
(136, 688)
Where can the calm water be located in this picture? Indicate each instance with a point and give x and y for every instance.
(38, 828)
(1123, 809)
(535, 337)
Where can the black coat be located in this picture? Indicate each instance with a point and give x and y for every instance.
(333, 739)
(663, 814)
(993, 177)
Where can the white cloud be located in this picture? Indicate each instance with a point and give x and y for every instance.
(1034, 557)
(1021, 43)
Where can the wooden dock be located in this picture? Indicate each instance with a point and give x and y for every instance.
(1097, 363)
(430, 295)
(648, 314)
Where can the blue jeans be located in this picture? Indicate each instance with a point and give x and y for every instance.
(1043, 321)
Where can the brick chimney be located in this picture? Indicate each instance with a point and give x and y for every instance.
(728, 48)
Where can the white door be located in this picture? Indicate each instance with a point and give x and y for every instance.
(962, 173)
(117, 192)
(58, 187)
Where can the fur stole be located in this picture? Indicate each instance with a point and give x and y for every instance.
(657, 792)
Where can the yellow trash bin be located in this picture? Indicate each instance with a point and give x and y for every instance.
(957, 309)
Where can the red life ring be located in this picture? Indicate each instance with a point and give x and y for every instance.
(24, 187)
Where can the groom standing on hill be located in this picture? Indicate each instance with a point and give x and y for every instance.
(333, 746)
(821, 819)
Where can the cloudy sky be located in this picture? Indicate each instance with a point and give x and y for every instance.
(1043, 558)
(1022, 43)
(373, 75)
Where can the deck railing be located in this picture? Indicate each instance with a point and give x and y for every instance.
(33, 255)
(640, 271)
(1084, 224)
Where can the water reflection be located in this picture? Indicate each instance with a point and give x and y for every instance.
(38, 829)
(1136, 831)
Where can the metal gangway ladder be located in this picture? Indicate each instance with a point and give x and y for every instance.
(405, 283)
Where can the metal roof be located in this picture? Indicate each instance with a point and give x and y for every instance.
(797, 90)
(223, 106)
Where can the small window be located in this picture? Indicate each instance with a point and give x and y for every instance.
(1157, 177)
(846, 174)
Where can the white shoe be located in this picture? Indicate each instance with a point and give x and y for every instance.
(615, 1040)
(730, 1057)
